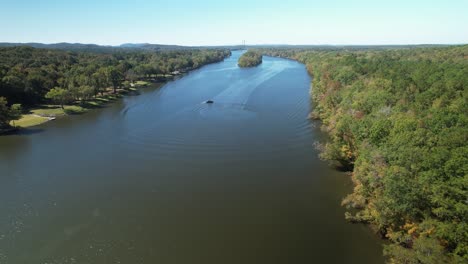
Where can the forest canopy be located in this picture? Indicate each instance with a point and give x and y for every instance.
(397, 120)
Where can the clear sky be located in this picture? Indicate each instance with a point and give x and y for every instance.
(222, 22)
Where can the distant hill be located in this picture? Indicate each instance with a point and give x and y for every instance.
(64, 46)
(156, 47)
(133, 45)
(149, 46)
(100, 48)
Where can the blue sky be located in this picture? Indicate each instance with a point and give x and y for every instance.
(208, 22)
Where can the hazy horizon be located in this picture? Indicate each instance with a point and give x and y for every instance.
(214, 23)
(236, 44)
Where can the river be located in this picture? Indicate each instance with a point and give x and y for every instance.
(164, 178)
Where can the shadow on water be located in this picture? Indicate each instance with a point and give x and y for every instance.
(343, 167)
(133, 93)
(30, 131)
(22, 132)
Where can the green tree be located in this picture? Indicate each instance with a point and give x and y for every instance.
(85, 92)
(59, 96)
(100, 80)
(7, 114)
(115, 77)
(131, 76)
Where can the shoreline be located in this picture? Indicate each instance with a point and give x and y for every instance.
(42, 114)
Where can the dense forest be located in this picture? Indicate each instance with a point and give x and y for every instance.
(250, 59)
(31, 76)
(397, 120)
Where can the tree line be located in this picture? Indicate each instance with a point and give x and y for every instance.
(397, 120)
(31, 76)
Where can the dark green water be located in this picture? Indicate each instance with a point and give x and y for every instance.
(163, 178)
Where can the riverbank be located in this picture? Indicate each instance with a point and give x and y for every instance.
(44, 113)
(59, 77)
(378, 115)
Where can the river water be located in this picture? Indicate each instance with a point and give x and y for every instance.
(164, 178)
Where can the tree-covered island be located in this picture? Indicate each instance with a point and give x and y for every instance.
(250, 59)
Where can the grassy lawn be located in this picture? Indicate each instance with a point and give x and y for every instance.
(54, 110)
(99, 101)
(48, 110)
(77, 108)
(43, 112)
(141, 83)
(29, 120)
(41, 115)
(74, 109)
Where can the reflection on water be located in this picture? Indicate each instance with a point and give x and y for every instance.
(165, 178)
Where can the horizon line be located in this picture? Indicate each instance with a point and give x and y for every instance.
(222, 45)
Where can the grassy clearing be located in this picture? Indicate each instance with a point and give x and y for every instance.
(75, 109)
(48, 110)
(142, 83)
(54, 110)
(42, 113)
(29, 120)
